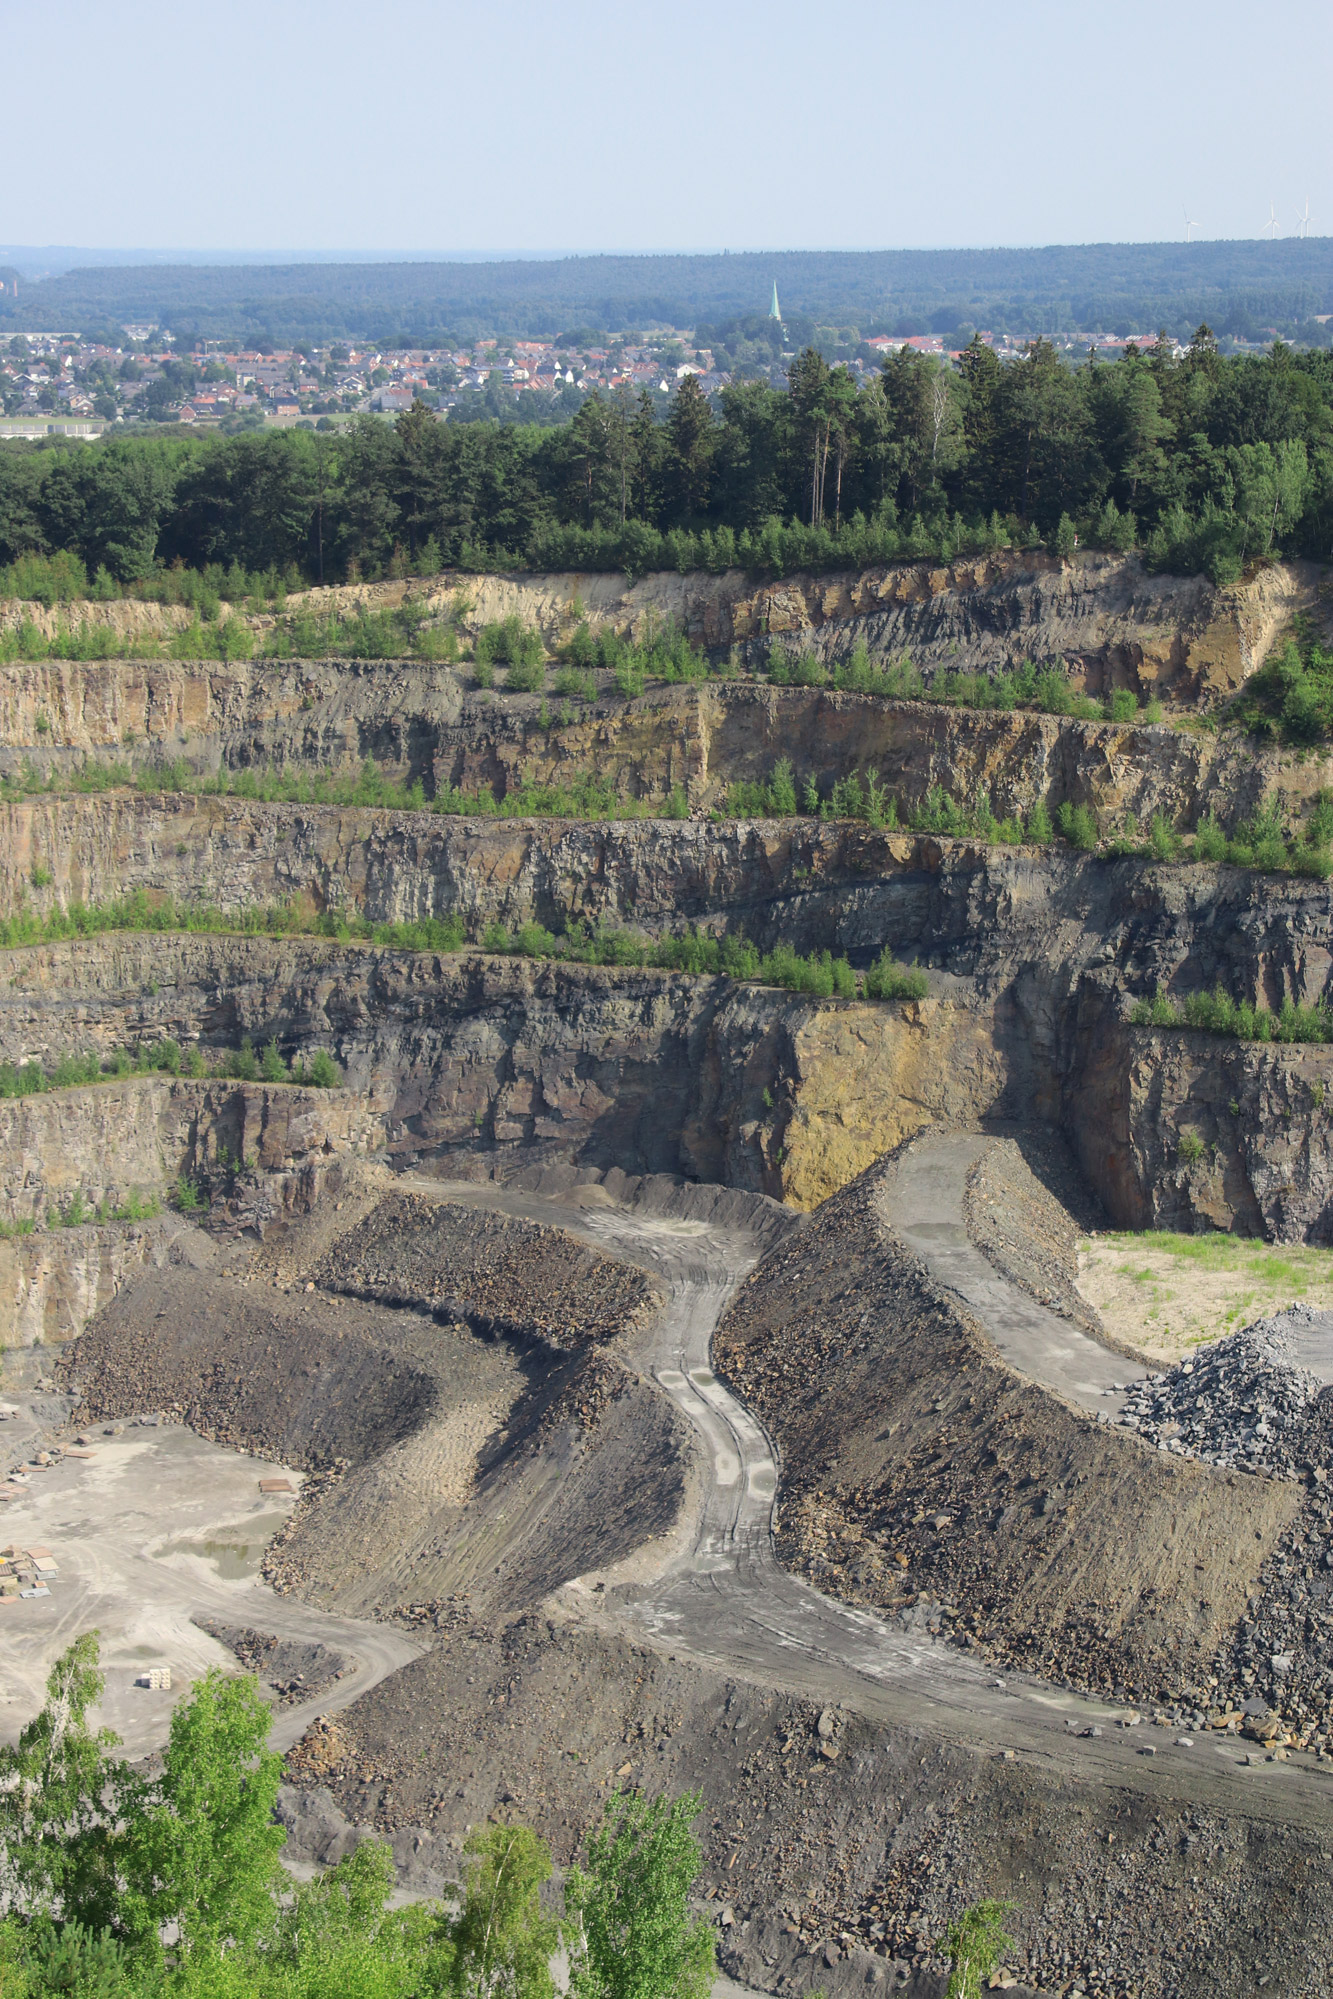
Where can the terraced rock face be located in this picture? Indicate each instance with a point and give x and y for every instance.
(486, 1063)
(1118, 626)
(518, 1447)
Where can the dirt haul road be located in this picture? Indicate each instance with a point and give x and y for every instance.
(157, 1529)
(720, 1596)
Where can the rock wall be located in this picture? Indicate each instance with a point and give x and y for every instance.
(480, 1065)
(1188, 1131)
(1114, 624)
(477, 1066)
(285, 1145)
(110, 1140)
(416, 722)
(60, 714)
(709, 736)
(52, 1282)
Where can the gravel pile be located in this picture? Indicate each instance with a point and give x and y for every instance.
(501, 1275)
(296, 1670)
(1244, 1403)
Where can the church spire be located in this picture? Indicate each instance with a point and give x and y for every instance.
(773, 311)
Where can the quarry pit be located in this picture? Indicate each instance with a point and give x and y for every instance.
(684, 1379)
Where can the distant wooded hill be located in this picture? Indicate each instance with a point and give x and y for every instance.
(1239, 287)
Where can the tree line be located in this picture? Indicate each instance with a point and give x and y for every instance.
(114, 1882)
(1242, 285)
(1204, 462)
(118, 1884)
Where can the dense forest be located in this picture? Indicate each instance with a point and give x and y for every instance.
(1241, 287)
(1203, 462)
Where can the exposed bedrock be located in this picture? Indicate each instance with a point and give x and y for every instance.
(989, 912)
(705, 738)
(1109, 620)
(480, 1065)
(477, 1066)
(1102, 613)
(269, 1152)
(60, 714)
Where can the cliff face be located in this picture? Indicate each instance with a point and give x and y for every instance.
(57, 714)
(1109, 622)
(1113, 624)
(477, 1066)
(112, 1140)
(708, 737)
(134, 1136)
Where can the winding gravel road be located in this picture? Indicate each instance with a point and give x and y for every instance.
(726, 1601)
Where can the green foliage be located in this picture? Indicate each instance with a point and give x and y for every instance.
(1264, 842)
(1237, 1020)
(241, 1063)
(73, 1070)
(572, 684)
(974, 1944)
(633, 1936)
(99, 1862)
(889, 980)
(61, 1798)
(509, 642)
(1290, 698)
(821, 975)
(1190, 1148)
(321, 1072)
(123, 1885)
(1210, 842)
(502, 1939)
(1208, 464)
(201, 1850)
(1078, 825)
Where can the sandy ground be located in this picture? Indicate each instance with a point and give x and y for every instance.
(156, 1527)
(1163, 1294)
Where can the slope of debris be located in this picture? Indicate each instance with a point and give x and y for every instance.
(1244, 1403)
(499, 1274)
(295, 1669)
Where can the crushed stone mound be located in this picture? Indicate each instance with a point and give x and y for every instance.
(498, 1273)
(1243, 1403)
(296, 1670)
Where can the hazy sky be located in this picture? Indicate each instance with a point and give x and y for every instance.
(576, 124)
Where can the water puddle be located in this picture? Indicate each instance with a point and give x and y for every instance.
(233, 1552)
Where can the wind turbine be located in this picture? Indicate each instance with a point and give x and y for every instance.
(1270, 227)
(1190, 227)
(1303, 221)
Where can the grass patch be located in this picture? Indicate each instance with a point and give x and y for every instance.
(1168, 1294)
(166, 1057)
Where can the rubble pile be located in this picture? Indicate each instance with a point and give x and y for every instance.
(295, 1670)
(1244, 1403)
(499, 1274)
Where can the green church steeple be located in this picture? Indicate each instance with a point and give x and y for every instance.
(773, 311)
